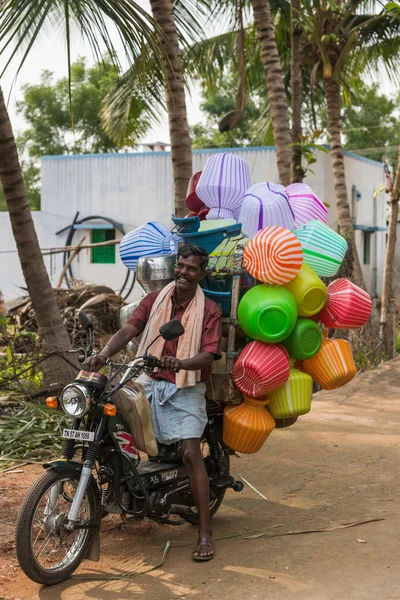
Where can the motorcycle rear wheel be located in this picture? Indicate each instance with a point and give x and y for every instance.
(46, 551)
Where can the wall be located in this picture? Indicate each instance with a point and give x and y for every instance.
(135, 188)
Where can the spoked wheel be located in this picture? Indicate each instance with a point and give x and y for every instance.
(215, 499)
(47, 552)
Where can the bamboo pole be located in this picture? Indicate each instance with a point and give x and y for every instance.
(69, 261)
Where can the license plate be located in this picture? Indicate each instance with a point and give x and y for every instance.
(75, 434)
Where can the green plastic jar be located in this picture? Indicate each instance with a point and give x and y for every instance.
(267, 313)
(304, 341)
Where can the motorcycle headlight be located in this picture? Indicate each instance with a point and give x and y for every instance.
(75, 400)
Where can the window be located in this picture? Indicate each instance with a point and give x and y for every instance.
(367, 247)
(103, 254)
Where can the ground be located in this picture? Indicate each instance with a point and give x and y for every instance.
(337, 465)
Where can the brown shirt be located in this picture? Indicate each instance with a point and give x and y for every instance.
(210, 339)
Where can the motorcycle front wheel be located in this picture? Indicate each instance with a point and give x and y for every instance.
(46, 551)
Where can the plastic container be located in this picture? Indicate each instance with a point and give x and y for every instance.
(305, 340)
(273, 255)
(347, 306)
(193, 202)
(323, 248)
(267, 313)
(260, 369)
(265, 204)
(223, 183)
(333, 366)
(209, 240)
(294, 398)
(308, 291)
(246, 427)
(151, 239)
(223, 299)
(305, 204)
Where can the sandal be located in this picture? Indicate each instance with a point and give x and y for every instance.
(201, 543)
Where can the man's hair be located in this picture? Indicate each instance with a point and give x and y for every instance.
(191, 250)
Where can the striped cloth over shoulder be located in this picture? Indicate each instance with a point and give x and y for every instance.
(305, 204)
(273, 255)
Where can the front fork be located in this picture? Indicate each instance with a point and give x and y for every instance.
(86, 474)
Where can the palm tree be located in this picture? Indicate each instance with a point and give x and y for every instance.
(296, 32)
(21, 23)
(181, 150)
(344, 37)
(275, 86)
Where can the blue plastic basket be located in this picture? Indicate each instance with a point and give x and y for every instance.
(208, 239)
(223, 299)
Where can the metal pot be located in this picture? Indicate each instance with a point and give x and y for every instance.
(127, 311)
(155, 272)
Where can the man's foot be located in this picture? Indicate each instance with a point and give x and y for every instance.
(204, 550)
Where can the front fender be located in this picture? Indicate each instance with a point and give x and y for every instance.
(61, 464)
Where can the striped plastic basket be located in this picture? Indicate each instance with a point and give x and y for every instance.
(294, 398)
(347, 306)
(333, 366)
(223, 183)
(323, 248)
(265, 204)
(273, 255)
(260, 369)
(150, 239)
(305, 204)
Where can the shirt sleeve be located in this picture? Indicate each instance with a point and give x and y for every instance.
(141, 314)
(212, 333)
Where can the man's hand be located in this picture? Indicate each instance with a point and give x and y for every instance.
(94, 363)
(170, 363)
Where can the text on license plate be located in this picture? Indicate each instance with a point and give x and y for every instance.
(74, 434)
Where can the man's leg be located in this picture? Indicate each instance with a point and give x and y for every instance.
(199, 484)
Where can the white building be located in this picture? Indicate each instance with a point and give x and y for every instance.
(130, 189)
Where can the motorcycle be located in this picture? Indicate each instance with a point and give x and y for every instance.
(101, 472)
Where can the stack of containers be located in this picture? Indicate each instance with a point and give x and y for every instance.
(289, 250)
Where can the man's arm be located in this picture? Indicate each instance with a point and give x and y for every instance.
(201, 361)
(118, 341)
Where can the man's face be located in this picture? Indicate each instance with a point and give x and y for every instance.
(188, 273)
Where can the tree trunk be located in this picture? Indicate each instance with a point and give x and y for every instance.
(386, 301)
(181, 151)
(53, 335)
(297, 91)
(332, 94)
(275, 86)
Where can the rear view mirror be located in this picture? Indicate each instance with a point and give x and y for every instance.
(171, 330)
(85, 321)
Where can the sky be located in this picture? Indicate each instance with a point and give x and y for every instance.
(49, 52)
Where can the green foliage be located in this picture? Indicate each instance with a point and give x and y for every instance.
(46, 109)
(31, 175)
(366, 359)
(371, 122)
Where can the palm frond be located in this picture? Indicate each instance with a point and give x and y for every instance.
(23, 21)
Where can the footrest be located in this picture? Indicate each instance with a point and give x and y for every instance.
(222, 482)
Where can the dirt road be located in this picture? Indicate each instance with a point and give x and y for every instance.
(337, 465)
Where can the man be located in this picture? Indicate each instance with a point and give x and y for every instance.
(177, 391)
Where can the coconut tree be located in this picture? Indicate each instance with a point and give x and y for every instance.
(21, 24)
(345, 37)
(296, 31)
(275, 86)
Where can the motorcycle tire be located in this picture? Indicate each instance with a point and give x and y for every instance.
(27, 558)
